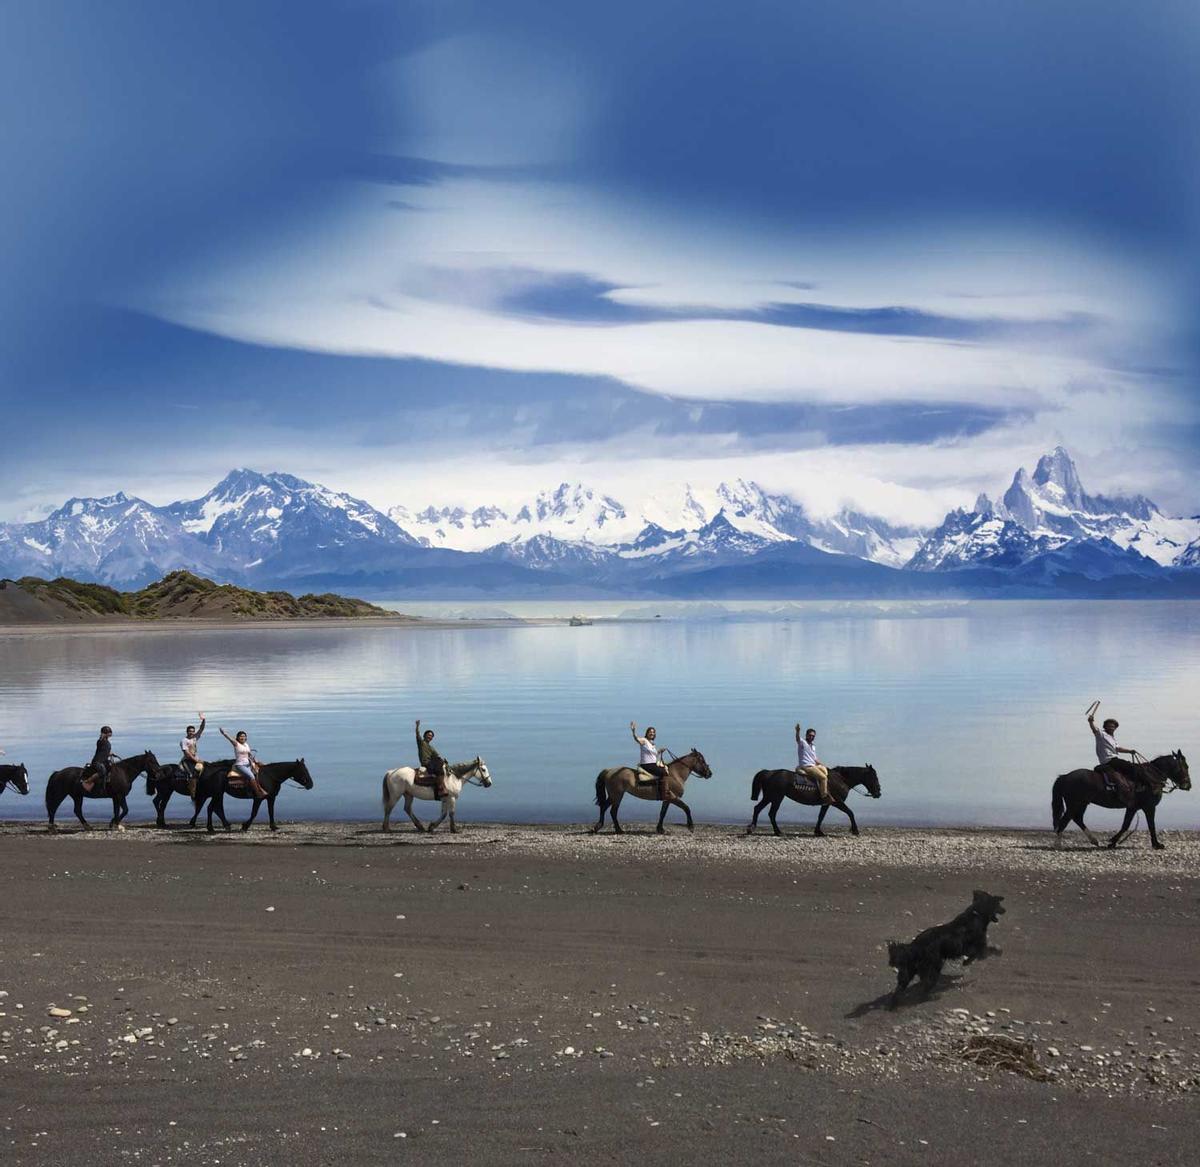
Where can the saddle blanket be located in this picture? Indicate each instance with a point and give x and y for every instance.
(803, 785)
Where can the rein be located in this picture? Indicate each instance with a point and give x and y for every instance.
(1169, 785)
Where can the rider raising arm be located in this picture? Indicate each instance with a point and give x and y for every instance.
(648, 757)
(430, 760)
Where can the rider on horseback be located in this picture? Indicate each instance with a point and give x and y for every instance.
(431, 761)
(1111, 766)
(188, 746)
(809, 765)
(96, 771)
(245, 761)
(648, 758)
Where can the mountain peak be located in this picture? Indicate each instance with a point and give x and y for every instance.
(1056, 470)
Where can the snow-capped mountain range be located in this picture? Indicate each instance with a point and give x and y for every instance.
(1045, 512)
(733, 518)
(1046, 534)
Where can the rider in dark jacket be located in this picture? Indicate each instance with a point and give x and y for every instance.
(96, 771)
(432, 762)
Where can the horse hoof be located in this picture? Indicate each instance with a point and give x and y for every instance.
(245, 827)
(1159, 846)
(274, 827)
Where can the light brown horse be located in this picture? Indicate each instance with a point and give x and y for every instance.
(614, 783)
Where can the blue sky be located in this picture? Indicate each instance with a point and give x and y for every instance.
(451, 251)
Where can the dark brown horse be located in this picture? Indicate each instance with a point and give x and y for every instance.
(214, 784)
(773, 786)
(17, 775)
(614, 783)
(69, 781)
(1075, 791)
(170, 779)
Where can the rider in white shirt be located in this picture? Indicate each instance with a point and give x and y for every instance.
(1107, 751)
(809, 764)
(649, 758)
(189, 746)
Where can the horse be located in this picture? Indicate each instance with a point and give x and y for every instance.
(402, 783)
(617, 781)
(18, 775)
(69, 781)
(775, 785)
(213, 784)
(171, 779)
(1072, 792)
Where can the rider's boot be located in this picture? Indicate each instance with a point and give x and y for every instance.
(823, 790)
(257, 787)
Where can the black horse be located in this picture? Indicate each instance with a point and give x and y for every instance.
(214, 784)
(170, 779)
(17, 775)
(1072, 792)
(773, 786)
(117, 786)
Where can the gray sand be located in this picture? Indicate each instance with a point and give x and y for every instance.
(515, 995)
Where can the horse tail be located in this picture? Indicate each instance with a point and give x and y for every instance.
(601, 790)
(1058, 803)
(385, 792)
(756, 787)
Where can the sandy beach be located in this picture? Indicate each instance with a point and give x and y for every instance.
(516, 995)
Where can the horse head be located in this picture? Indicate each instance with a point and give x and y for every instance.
(151, 764)
(18, 776)
(301, 775)
(482, 772)
(871, 781)
(697, 764)
(1181, 777)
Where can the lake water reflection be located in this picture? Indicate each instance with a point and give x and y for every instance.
(966, 711)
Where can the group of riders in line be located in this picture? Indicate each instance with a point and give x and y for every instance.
(1121, 777)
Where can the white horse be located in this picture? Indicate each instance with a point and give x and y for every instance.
(402, 783)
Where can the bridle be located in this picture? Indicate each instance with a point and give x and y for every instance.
(1169, 785)
(467, 779)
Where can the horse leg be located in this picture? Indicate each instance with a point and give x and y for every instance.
(662, 814)
(772, 811)
(1155, 842)
(453, 824)
(1130, 811)
(849, 814)
(217, 803)
(408, 810)
(79, 812)
(1078, 816)
(160, 806)
(53, 802)
(389, 804)
(271, 811)
(820, 834)
(687, 810)
(612, 811)
(253, 813)
(433, 826)
(754, 818)
(122, 811)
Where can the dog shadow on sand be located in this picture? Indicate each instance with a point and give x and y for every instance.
(883, 1003)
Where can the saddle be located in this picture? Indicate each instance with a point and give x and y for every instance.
(645, 778)
(802, 784)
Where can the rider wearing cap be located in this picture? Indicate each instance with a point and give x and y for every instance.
(96, 771)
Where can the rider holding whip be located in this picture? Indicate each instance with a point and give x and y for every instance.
(1107, 749)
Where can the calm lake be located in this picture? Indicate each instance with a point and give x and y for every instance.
(967, 711)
